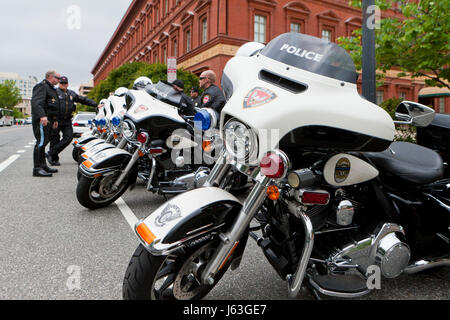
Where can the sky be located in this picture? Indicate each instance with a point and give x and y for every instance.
(65, 35)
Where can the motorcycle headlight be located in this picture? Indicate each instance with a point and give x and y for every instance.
(129, 130)
(241, 141)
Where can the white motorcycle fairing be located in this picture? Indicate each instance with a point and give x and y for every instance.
(146, 106)
(118, 106)
(319, 112)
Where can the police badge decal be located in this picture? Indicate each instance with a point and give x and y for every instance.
(170, 213)
(258, 97)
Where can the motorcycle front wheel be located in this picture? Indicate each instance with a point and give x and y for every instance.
(173, 277)
(95, 193)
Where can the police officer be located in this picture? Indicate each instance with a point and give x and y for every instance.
(67, 99)
(195, 96)
(186, 103)
(44, 111)
(212, 96)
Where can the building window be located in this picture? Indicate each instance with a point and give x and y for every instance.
(380, 97)
(164, 55)
(403, 95)
(175, 47)
(149, 23)
(204, 30)
(166, 7)
(442, 105)
(188, 41)
(295, 27)
(260, 28)
(326, 34)
(157, 14)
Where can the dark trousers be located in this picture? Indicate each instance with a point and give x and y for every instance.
(42, 135)
(57, 145)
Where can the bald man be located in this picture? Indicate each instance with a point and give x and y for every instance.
(212, 96)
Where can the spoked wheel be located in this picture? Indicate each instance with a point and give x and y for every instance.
(95, 193)
(174, 277)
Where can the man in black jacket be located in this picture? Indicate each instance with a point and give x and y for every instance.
(212, 96)
(67, 99)
(44, 111)
(195, 97)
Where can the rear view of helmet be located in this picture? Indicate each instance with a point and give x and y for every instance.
(141, 82)
(120, 91)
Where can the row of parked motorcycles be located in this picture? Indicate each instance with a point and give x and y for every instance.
(332, 196)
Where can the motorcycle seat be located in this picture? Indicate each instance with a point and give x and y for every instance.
(409, 162)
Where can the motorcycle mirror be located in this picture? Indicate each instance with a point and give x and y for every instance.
(414, 113)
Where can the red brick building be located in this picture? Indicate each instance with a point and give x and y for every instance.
(205, 34)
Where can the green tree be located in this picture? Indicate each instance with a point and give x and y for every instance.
(417, 44)
(9, 95)
(125, 76)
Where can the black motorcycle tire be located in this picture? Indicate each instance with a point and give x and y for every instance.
(144, 268)
(75, 154)
(84, 194)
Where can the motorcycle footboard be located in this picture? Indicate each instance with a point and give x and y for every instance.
(91, 144)
(83, 141)
(186, 218)
(105, 161)
(97, 148)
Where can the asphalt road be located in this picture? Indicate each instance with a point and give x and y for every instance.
(47, 239)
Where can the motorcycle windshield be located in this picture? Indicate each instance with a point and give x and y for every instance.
(164, 92)
(313, 55)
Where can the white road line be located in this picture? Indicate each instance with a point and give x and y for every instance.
(7, 162)
(21, 151)
(127, 213)
(27, 147)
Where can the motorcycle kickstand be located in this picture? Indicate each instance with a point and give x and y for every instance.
(315, 294)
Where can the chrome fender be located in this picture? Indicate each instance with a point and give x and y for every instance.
(185, 218)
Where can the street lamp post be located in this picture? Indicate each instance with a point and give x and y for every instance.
(368, 52)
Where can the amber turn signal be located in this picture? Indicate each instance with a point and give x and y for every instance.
(145, 233)
(273, 193)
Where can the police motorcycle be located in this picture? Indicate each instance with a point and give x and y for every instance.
(115, 138)
(95, 132)
(114, 103)
(163, 144)
(108, 106)
(334, 200)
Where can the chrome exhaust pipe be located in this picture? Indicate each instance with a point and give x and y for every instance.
(423, 265)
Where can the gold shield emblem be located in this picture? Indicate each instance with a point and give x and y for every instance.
(342, 170)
